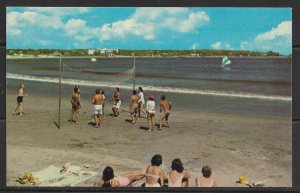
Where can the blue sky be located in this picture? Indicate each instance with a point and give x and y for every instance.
(255, 29)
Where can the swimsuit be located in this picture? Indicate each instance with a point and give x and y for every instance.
(152, 185)
(123, 181)
(151, 107)
(98, 109)
(117, 104)
(20, 99)
(177, 183)
(155, 184)
(134, 108)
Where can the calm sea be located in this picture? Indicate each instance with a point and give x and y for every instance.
(261, 76)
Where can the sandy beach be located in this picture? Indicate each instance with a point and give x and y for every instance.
(233, 144)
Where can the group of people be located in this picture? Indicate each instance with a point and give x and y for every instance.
(155, 176)
(136, 107)
(137, 103)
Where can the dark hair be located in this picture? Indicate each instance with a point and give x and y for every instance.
(206, 171)
(177, 165)
(76, 90)
(102, 91)
(118, 89)
(163, 97)
(134, 92)
(141, 89)
(108, 174)
(98, 91)
(156, 160)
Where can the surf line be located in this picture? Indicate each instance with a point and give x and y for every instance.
(148, 87)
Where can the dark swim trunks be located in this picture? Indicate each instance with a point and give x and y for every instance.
(19, 99)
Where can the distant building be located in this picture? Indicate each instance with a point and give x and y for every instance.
(107, 50)
(91, 51)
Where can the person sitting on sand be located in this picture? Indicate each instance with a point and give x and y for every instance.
(206, 180)
(154, 174)
(134, 106)
(75, 101)
(141, 101)
(150, 109)
(98, 108)
(124, 180)
(20, 100)
(176, 176)
(165, 107)
(117, 102)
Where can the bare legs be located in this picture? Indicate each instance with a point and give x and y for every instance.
(20, 107)
(134, 117)
(75, 115)
(116, 111)
(141, 109)
(97, 120)
(150, 121)
(162, 117)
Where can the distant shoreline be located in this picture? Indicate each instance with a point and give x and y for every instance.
(8, 57)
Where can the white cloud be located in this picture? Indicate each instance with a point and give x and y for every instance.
(278, 39)
(284, 29)
(193, 21)
(195, 46)
(216, 46)
(59, 11)
(45, 42)
(148, 22)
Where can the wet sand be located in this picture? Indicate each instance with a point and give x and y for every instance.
(233, 144)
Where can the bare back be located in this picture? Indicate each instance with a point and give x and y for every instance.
(134, 99)
(98, 99)
(165, 105)
(153, 173)
(75, 98)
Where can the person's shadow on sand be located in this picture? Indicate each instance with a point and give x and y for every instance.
(144, 128)
(92, 123)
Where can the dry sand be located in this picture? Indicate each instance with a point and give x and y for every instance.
(233, 145)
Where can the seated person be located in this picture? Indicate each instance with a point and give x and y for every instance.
(206, 180)
(176, 176)
(154, 174)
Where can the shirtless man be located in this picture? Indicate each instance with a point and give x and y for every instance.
(165, 107)
(20, 100)
(117, 102)
(98, 107)
(134, 106)
(75, 101)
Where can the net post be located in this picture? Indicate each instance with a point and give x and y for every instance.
(133, 73)
(59, 100)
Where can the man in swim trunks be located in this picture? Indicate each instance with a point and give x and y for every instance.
(165, 107)
(20, 100)
(134, 106)
(117, 102)
(75, 101)
(98, 108)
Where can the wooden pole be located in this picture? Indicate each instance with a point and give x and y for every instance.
(59, 101)
(133, 74)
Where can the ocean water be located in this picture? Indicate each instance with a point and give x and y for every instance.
(252, 86)
(248, 76)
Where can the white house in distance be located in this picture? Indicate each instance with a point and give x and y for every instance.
(102, 51)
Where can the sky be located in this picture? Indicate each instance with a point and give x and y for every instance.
(177, 28)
